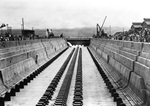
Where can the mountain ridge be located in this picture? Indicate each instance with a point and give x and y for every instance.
(84, 31)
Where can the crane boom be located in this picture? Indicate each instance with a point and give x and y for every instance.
(99, 29)
(103, 22)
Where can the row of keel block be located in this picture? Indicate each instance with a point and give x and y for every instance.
(109, 85)
(78, 94)
(62, 96)
(44, 100)
(20, 85)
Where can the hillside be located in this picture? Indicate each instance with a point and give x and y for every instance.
(72, 32)
(79, 31)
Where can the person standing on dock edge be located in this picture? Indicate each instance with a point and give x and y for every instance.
(51, 34)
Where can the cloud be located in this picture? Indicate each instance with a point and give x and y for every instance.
(72, 13)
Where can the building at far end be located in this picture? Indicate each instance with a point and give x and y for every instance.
(146, 24)
(136, 26)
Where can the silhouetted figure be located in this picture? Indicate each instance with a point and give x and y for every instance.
(61, 35)
(47, 33)
(51, 34)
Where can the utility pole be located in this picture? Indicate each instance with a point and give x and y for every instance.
(10, 29)
(110, 29)
(22, 30)
(1, 32)
(22, 24)
(7, 27)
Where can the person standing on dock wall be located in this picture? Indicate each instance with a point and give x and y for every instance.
(51, 34)
(47, 33)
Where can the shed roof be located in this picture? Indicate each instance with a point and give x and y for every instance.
(147, 21)
(137, 24)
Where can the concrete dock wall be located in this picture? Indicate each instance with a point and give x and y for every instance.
(131, 61)
(18, 59)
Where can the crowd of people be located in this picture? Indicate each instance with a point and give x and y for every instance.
(49, 33)
(11, 37)
(137, 36)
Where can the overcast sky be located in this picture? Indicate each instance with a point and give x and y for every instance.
(72, 13)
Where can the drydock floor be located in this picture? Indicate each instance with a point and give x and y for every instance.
(95, 92)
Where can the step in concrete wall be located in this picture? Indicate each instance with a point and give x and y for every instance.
(131, 60)
(18, 59)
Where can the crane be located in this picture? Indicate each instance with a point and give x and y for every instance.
(99, 29)
(3, 25)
